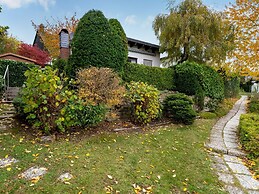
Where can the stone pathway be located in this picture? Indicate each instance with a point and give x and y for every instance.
(227, 155)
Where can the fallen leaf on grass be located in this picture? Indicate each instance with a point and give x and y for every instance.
(109, 176)
(8, 169)
(35, 180)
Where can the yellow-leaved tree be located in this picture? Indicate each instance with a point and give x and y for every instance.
(49, 33)
(244, 15)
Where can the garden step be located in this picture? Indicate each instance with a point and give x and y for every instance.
(11, 93)
(9, 112)
(7, 116)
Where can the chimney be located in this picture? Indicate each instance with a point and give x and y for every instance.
(64, 44)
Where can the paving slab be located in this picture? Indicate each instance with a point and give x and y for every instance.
(218, 159)
(236, 152)
(226, 178)
(248, 182)
(238, 168)
(231, 145)
(7, 162)
(232, 159)
(234, 190)
(252, 192)
(222, 168)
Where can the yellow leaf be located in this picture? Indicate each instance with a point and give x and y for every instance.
(6, 156)
(8, 169)
(35, 180)
(184, 189)
(87, 154)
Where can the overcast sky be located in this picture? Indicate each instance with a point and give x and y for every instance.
(136, 16)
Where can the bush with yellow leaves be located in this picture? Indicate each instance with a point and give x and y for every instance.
(100, 86)
(144, 100)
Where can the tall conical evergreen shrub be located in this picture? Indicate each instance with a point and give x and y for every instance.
(95, 44)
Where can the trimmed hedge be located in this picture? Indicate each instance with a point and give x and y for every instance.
(161, 78)
(249, 133)
(16, 71)
(190, 78)
(232, 87)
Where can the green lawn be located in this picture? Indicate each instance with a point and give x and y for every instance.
(170, 160)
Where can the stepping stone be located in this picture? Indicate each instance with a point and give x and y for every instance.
(33, 173)
(46, 139)
(65, 177)
(7, 162)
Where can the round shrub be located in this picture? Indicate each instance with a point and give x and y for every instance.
(191, 78)
(179, 108)
(76, 113)
(144, 100)
(100, 86)
(94, 44)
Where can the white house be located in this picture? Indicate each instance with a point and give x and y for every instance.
(139, 51)
(143, 53)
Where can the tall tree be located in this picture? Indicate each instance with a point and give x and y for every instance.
(95, 44)
(244, 15)
(3, 35)
(49, 32)
(9, 44)
(33, 52)
(191, 31)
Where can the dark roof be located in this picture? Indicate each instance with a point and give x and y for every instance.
(142, 43)
(38, 42)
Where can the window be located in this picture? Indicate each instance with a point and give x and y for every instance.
(132, 60)
(147, 62)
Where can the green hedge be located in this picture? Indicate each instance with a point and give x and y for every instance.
(16, 71)
(232, 87)
(161, 78)
(249, 133)
(190, 78)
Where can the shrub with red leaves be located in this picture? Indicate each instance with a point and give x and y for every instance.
(33, 52)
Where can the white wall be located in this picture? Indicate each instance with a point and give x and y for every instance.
(155, 59)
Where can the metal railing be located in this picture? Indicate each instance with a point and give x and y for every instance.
(6, 82)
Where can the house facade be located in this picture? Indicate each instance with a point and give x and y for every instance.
(139, 52)
(143, 53)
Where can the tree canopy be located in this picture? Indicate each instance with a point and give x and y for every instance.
(49, 32)
(244, 16)
(191, 31)
(7, 43)
(33, 52)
